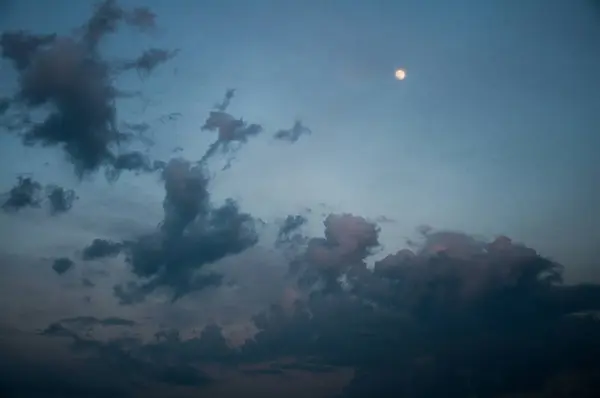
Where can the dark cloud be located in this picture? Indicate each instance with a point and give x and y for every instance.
(443, 321)
(4, 105)
(26, 193)
(289, 230)
(60, 199)
(62, 265)
(229, 94)
(85, 282)
(142, 18)
(290, 238)
(230, 130)
(193, 233)
(151, 362)
(457, 317)
(134, 161)
(21, 47)
(101, 248)
(69, 76)
(149, 60)
(29, 193)
(293, 134)
(348, 241)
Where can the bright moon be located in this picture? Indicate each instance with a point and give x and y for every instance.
(400, 74)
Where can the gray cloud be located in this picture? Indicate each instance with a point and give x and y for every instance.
(29, 193)
(62, 265)
(60, 199)
(149, 60)
(193, 234)
(70, 75)
(26, 193)
(230, 130)
(294, 133)
(101, 248)
(447, 317)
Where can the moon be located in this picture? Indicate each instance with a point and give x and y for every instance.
(400, 74)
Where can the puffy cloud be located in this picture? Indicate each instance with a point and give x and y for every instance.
(69, 76)
(193, 234)
(101, 248)
(348, 241)
(29, 193)
(62, 265)
(60, 199)
(419, 336)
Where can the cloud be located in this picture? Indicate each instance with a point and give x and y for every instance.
(149, 60)
(29, 193)
(86, 282)
(223, 105)
(293, 134)
(69, 77)
(348, 241)
(101, 248)
(193, 234)
(60, 199)
(443, 319)
(152, 363)
(290, 225)
(417, 324)
(289, 236)
(62, 265)
(4, 105)
(230, 130)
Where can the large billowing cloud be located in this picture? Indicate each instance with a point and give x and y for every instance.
(456, 317)
(348, 241)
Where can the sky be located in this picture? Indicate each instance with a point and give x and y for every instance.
(492, 134)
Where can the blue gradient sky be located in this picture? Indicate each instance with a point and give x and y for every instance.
(494, 131)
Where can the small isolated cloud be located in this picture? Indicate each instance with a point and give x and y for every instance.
(62, 265)
(60, 199)
(101, 248)
(294, 133)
